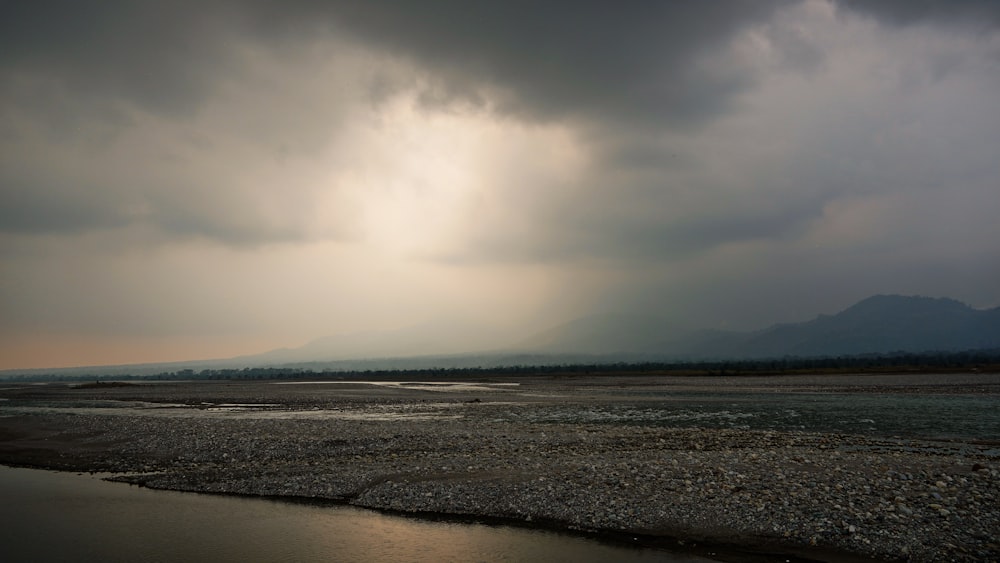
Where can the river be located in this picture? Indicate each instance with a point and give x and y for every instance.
(51, 516)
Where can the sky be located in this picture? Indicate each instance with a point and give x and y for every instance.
(190, 180)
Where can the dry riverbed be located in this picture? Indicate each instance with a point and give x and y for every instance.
(477, 450)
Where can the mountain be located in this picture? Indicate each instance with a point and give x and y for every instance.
(879, 324)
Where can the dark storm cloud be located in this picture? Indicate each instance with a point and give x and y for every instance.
(57, 208)
(94, 102)
(157, 55)
(981, 13)
(80, 69)
(641, 87)
(634, 60)
(32, 209)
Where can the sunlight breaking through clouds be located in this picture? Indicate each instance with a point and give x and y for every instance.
(254, 175)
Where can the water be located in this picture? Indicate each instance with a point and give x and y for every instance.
(964, 417)
(915, 416)
(48, 516)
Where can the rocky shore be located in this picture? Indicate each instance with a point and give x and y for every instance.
(479, 453)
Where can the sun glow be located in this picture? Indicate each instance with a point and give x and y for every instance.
(433, 178)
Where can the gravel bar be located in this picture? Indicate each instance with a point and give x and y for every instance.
(470, 453)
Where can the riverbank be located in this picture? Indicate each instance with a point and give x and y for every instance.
(479, 450)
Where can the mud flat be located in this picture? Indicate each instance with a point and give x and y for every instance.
(491, 448)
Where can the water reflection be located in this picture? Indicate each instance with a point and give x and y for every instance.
(925, 416)
(50, 516)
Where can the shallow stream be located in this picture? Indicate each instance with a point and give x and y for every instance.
(49, 516)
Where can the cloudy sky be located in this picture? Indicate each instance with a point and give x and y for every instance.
(185, 180)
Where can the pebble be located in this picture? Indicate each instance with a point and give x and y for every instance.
(871, 497)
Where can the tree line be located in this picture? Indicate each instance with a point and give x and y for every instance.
(900, 362)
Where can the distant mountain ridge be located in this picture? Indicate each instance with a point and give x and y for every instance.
(876, 325)
(882, 324)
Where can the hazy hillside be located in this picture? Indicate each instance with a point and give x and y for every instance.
(428, 339)
(879, 324)
(605, 334)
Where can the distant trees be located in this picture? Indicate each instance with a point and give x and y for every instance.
(901, 362)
